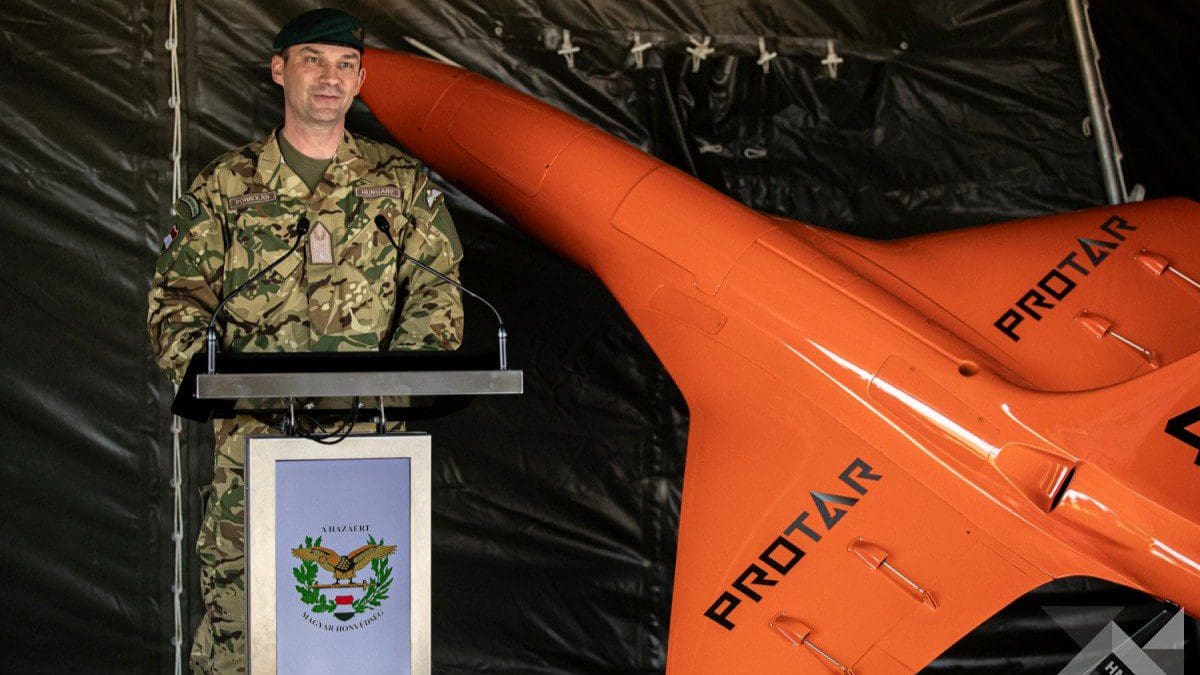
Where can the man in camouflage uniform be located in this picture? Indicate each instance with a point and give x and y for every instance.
(342, 290)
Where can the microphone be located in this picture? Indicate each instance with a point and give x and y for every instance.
(501, 334)
(210, 338)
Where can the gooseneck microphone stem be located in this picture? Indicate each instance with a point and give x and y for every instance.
(210, 337)
(210, 347)
(501, 334)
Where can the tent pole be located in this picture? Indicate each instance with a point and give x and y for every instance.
(1097, 99)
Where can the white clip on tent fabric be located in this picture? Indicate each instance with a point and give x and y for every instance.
(638, 50)
(567, 50)
(700, 50)
(831, 60)
(765, 57)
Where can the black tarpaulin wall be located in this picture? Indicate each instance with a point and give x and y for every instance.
(555, 514)
(83, 170)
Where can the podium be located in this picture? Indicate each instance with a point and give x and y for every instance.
(281, 381)
(337, 529)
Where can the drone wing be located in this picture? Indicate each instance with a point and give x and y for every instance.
(889, 441)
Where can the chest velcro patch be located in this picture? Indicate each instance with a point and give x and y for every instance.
(250, 199)
(381, 191)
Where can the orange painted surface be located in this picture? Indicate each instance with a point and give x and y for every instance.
(889, 440)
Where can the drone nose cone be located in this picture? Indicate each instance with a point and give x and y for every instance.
(587, 194)
(404, 89)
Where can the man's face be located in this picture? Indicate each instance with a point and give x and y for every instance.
(319, 82)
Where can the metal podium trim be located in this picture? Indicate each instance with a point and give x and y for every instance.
(406, 383)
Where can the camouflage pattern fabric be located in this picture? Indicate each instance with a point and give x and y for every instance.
(219, 645)
(349, 294)
(240, 215)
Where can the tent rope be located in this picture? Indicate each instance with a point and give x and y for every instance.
(175, 102)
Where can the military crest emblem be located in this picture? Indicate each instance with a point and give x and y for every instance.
(360, 595)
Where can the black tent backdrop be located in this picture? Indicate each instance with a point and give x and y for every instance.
(555, 515)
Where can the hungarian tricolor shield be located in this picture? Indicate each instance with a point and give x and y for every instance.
(345, 607)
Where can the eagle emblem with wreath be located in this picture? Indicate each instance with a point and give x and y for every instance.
(344, 568)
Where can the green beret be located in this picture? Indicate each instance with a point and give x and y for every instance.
(324, 26)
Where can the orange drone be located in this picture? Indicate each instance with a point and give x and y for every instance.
(889, 441)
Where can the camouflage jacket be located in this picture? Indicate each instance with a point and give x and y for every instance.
(339, 291)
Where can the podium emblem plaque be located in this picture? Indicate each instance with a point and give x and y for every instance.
(338, 554)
